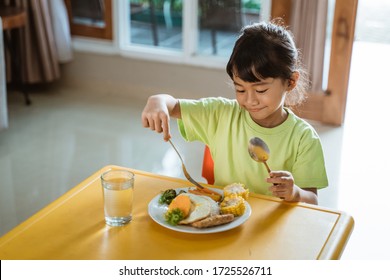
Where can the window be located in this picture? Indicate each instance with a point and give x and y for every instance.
(90, 18)
(199, 32)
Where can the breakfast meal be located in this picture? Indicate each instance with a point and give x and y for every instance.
(204, 208)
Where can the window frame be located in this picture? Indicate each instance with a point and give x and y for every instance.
(87, 40)
(187, 55)
(105, 32)
(118, 45)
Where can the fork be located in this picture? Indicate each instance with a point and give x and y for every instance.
(189, 178)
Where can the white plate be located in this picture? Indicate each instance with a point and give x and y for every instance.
(157, 211)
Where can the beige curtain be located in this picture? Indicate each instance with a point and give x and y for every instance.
(41, 46)
(308, 24)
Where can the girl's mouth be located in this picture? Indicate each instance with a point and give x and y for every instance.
(255, 110)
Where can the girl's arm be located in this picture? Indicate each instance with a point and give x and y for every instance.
(157, 112)
(285, 187)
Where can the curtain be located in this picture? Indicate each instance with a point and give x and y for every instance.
(61, 28)
(46, 39)
(308, 24)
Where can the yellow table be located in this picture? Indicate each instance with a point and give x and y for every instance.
(73, 227)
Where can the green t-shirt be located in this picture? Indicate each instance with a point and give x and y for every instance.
(226, 128)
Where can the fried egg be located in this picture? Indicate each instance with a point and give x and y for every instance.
(200, 209)
(215, 210)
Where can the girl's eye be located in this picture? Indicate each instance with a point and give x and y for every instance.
(261, 91)
(240, 90)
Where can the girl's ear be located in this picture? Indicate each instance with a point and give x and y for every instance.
(292, 82)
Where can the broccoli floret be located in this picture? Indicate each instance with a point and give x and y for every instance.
(167, 196)
(174, 216)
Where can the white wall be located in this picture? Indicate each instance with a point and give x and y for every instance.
(113, 74)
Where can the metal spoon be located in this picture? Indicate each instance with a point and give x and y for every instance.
(259, 151)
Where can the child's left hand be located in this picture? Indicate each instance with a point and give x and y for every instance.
(283, 185)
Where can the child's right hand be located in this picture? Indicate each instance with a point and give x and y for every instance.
(157, 112)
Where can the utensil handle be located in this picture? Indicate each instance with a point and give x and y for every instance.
(186, 174)
(177, 152)
(269, 171)
(266, 166)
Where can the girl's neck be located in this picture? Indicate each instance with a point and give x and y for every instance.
(274, 120)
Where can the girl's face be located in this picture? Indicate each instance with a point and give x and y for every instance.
(263, 100)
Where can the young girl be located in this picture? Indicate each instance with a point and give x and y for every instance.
(265, 69)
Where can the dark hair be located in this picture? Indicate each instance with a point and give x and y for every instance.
(267, 50)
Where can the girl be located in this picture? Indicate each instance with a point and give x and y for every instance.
(265, 69)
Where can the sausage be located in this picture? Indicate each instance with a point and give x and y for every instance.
(214, 220)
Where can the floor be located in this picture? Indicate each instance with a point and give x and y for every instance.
(68, 134)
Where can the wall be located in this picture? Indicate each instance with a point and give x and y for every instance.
(114, 74)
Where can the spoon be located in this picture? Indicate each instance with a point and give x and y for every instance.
(259, 151)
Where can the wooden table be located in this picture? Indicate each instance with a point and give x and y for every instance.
(73, 227)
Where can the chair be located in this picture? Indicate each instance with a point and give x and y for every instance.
(167, 5)
(92, 10)
(154, 12)
(218, 15)
(208, 166)
(14, 19)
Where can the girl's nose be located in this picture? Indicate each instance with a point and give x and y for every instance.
(251, 98)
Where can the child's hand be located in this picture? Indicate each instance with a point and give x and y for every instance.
(156, 116)
(283, 185)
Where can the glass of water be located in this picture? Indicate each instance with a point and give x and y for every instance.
(118, 189)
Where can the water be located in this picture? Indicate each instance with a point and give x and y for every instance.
(118, 202)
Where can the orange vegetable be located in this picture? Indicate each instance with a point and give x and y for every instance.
(215, 196)
(207, 190)
(181, 202)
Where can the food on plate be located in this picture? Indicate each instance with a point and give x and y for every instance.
(204, 208)
(181, 202)
(207, 190)
(167, 196)
(174, 216)
(178, 209)
(233, 204)
(214, 206)
(236, 189)
(214, 196)
(214, 220)
(200, 209)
